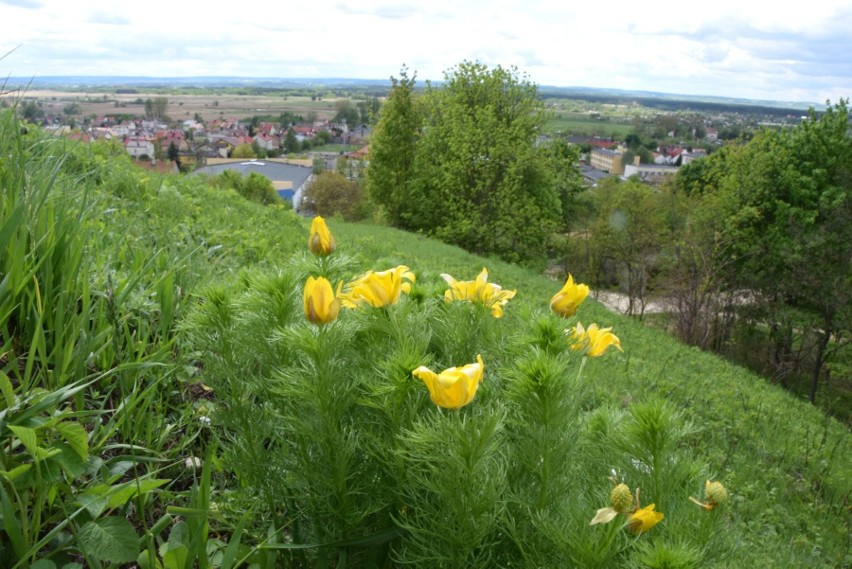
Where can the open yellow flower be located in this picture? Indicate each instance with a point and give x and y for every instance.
(378, 289)
(480, 290)
(568, 299)
(321, 241)
(321, 306)
(643, 520)
(594, 341)
(453, 387)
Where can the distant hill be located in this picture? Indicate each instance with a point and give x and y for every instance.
(645, 98)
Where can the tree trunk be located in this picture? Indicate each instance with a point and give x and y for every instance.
(820, 357)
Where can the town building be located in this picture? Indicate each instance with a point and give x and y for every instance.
(607, 161)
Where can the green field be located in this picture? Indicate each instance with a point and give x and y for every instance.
(584, 127)
(164, 402)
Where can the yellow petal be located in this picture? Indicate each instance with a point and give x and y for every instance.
(568, 299)
(643, 520)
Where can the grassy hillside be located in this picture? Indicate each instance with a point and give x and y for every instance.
(151, 325)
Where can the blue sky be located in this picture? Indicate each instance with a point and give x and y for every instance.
(798, 52)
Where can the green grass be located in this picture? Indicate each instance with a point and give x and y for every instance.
(125, 358)
(567, 123)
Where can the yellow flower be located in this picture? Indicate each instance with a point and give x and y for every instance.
(489, 294)
(453, 387)
(321, 306)
(643, 520)
(594, 341)
(566, 301)
(378, 289)
(321, 241)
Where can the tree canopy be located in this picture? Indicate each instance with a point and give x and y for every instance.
(460, 162)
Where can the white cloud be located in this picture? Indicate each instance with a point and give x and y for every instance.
(731, 48)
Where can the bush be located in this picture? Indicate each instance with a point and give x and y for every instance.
(331, 193)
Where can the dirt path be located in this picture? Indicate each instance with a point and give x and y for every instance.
(618, 302)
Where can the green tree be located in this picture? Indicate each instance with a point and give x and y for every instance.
(259, 151)
(71, 109)
(480, 180)
(346, 112)
(628, 236)
(31, 112)
(173, 154)
(369, 110)
(460, 162)
(782, 202)
(322, 137)
(291, 143)
(393, 147)
(257, 187)
(331, 193)
(243, 151)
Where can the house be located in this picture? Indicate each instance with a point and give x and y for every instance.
(139, 146)
(267, 128)
(711, 134)
(267, 142)
(169, 137)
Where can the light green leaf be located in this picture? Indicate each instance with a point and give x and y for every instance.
(7, 390)
(109, 539)
(11, 475)
(134, 489)
(76, 436)
(27, 437)
(95, 505)
(174, 552)
(43, 564)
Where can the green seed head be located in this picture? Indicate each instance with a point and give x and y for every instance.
(620, 498)
(715, 492)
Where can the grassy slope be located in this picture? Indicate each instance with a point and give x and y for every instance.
(786, 465)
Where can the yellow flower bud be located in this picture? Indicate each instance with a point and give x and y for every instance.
(321, 306)
(321, 241)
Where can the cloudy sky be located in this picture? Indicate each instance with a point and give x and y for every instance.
(780, 51)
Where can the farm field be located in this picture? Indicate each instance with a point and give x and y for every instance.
(184, 106)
